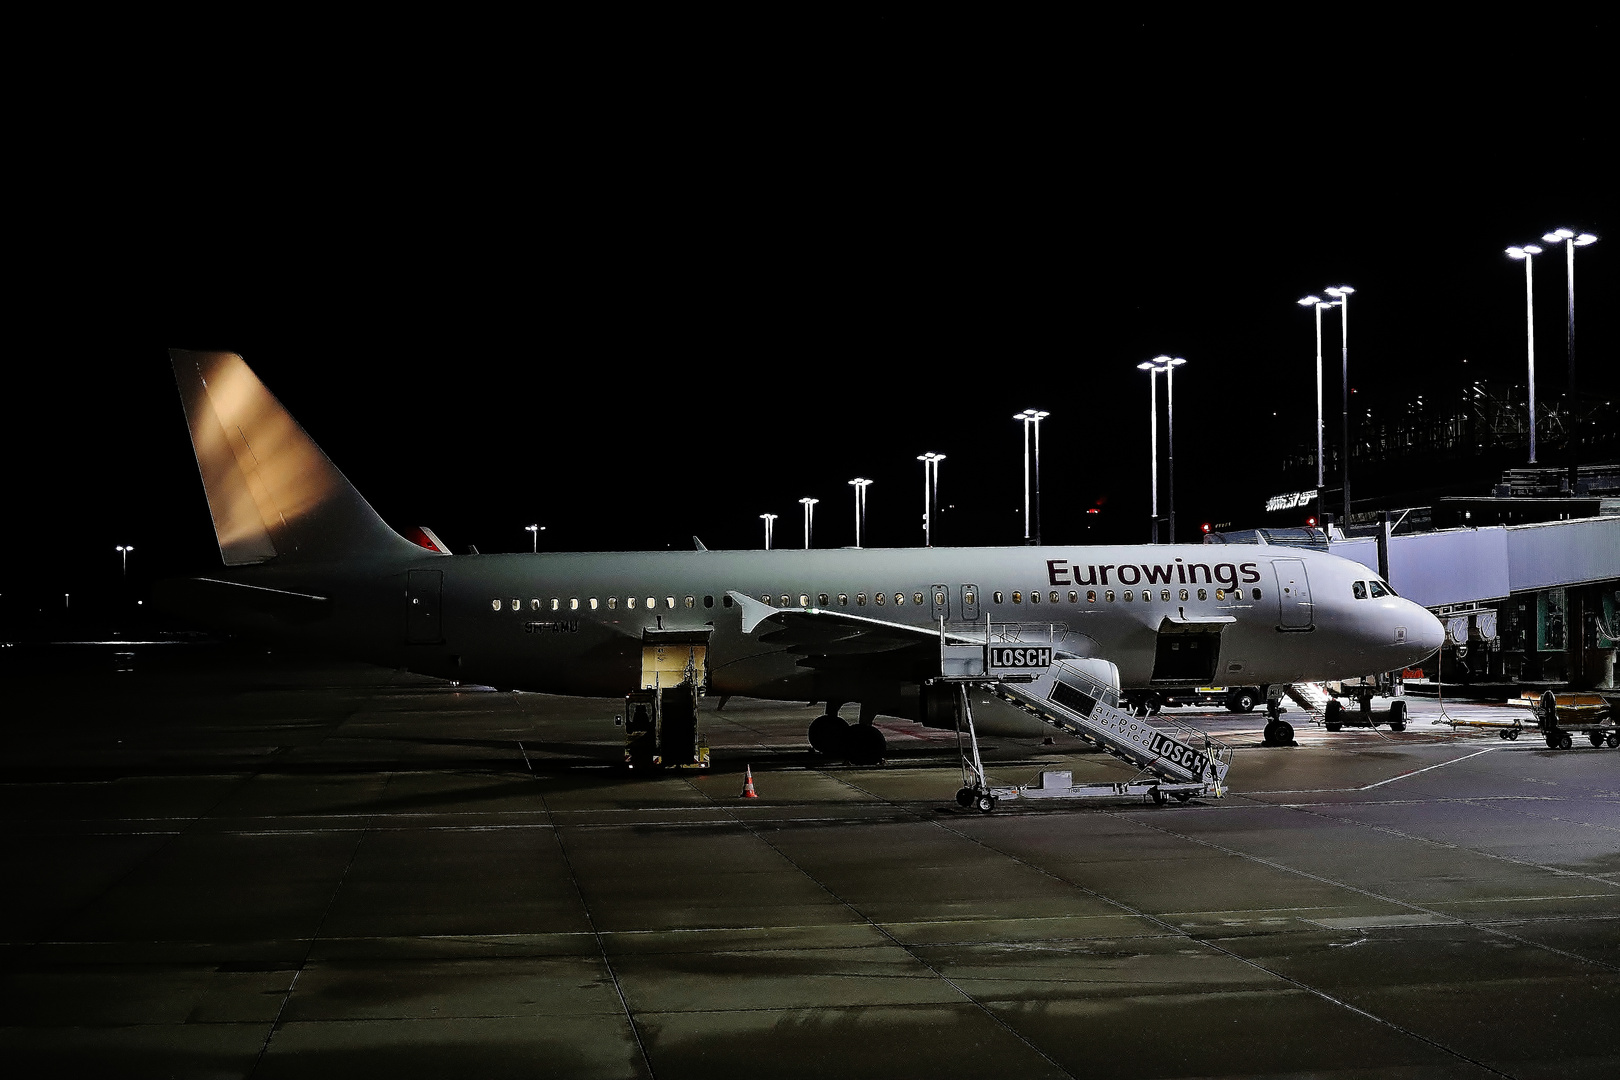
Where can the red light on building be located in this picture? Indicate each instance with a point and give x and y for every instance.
(1206, 526)
(1311, 522)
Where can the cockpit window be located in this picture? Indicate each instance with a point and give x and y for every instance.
(1360, 589)
(1380, 589)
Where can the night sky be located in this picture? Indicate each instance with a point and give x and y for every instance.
(636, 303)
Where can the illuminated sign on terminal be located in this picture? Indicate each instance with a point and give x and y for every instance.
(1289, 500)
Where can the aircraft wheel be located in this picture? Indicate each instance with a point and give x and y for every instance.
(1564, 741)
(1241, 701)
(1285, 732)
(1552, 740)
(1614, 739)
(964, 798)
(864, 745)
(986, 803)
(828, 735)
(1596, 737)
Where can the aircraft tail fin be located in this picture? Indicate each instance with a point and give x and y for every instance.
(271, 491)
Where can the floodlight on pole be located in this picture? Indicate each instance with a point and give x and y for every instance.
(809, 505)
(1153, 445)
(1032, 417)
(1525, 253)
(1170, 364)
(860, 484)
(535, 530)
(1341, 293)
(769, 520)
(124, 550)
(930, 493)
(1571, 240)
(1317, 303)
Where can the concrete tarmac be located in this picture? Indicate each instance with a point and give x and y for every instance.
(226, 863)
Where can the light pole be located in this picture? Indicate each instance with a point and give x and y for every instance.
(860, 484)
(1032, 417)
(1571, 241)
(930, 462)
(809, 505)
(1153, 445)
(1341, 293)
(769, 520)
(1525, 253)
(1170, 364)
(535, 531)
(1318, 303)
(124, 550)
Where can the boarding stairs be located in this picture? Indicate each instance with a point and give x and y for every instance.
(1312, 697)
(1079, 696)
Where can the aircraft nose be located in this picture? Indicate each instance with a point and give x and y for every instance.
(1425, 633)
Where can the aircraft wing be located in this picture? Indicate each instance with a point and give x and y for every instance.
(828, 640)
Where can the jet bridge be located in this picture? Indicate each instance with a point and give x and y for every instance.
(1079, 696)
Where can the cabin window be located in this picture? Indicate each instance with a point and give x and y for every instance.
(877, 598)
(534, 605)
(1034, 597)
(1074, 597)
(1203, 594)
(708, 601)
(843, 599)
(1359, 589)
(860, 599)
(573, 603)
(1091, 596)
(821, 598)
(556, 605)
(1220, 594)
(630, 602)
(1109, 596)
(1184, 594)
(669, 602)
(999, 598)
(1380, 589)
(517, 605)
(967, 598)
(765, 598)
(804, 600)
(691, 601)
(593, 603)
(613, 603)
(652, 602)
(1018, 597)
(1129, 596)
(726, 600)
(495, 605)
(786, 600)
(1164, 595)
(900, 598)
(917, 598)
(1237, 594)
(1255, 593)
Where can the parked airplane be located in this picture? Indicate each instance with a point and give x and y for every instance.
(308, 559)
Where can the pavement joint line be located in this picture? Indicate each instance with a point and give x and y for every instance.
(1565, 821)
(1489, 928)
(903, 946)
(601, 946)
(309, 950)
(1215, 946)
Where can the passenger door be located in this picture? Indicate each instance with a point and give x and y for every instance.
(423, 590)
(1294, 610)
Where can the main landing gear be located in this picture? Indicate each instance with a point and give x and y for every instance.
(858, 744)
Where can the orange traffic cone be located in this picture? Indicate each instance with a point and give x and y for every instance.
(748, 784)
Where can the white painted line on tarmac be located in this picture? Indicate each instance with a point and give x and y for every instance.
(1415, 772)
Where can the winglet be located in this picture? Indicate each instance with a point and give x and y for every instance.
(697, 545)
